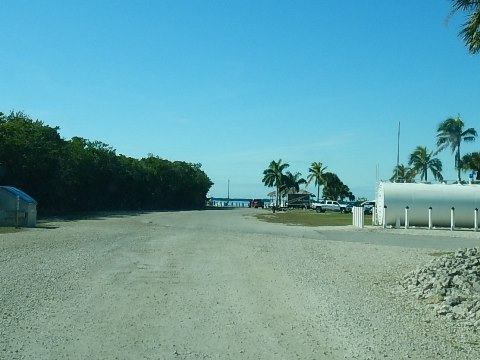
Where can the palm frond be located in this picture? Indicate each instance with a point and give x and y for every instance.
(470, 32)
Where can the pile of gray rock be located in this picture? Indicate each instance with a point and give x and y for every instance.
(450, 284)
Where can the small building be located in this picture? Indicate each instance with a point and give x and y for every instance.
(17, 208)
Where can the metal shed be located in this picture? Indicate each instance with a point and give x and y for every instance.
(17, 208)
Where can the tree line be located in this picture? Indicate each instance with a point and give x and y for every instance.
(450, 134)
(286, 182)
(83, 175)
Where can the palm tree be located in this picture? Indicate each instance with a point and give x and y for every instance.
(471, 162)
(471, 29)
(316, 171)
(273, 176)
(292, 182)
(451, 133)
(401, 173)
(422, 161)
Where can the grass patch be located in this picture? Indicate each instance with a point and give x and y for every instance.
(8, 229)
(309, 218)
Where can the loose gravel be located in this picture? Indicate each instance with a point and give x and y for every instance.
(223, 285)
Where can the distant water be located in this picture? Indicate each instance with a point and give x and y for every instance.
(240, 202)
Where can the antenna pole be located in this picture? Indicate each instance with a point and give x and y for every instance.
(398, 152)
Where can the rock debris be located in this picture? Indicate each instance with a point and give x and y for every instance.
(450, 285)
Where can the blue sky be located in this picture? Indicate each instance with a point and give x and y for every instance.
(234, 85)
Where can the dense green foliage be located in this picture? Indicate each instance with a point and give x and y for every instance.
(82, 175)
(471, 162)
(292, 182)
(335, 189)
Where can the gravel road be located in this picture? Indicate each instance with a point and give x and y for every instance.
(219, 285)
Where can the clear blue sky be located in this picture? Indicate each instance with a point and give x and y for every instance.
(236, 84)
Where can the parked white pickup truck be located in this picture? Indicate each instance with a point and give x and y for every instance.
(330, 205)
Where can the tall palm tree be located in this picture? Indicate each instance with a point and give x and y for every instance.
(471, 29)
(316, 170)
(273, 176)
(292, 182)
(402, 173)
(422, 161)
(450, 133)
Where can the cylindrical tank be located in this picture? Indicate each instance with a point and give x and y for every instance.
(420, 197)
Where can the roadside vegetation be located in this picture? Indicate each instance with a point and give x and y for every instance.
(6, 230)
(308, 218)
(80, 175)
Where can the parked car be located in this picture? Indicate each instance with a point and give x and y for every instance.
(331, 205)
(256, 203)
(368, 207)
(348, 206)
(353, 203)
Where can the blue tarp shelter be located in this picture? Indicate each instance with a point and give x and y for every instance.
(17, 208)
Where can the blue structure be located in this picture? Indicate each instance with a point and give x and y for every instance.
(17, 208)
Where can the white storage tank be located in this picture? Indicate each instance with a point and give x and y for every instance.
(441, 198)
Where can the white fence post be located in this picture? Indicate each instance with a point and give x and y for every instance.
(358, 217)
(452, 219)
(406, 216)
(430, 225)
(475, 221)
(384, 217)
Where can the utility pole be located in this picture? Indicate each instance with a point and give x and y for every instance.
(398, 152)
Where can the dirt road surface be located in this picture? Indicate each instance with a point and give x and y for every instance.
(216, 285)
